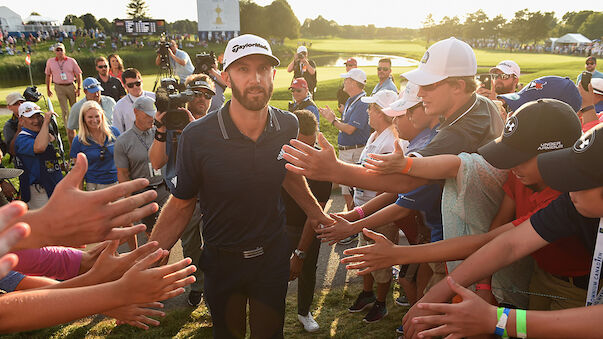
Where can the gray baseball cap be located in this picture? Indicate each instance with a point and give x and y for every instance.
(146, 105)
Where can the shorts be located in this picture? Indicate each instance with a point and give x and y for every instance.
(351, 156)
(390, 231)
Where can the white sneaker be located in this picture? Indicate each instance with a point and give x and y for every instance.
(310, 325)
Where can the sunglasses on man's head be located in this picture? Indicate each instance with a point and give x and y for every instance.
(200, 94)
(502, 76)
(383, 69)
(102, 66)
(135, 83)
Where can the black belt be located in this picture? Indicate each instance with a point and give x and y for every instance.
(69, 84)
(345, 148)
(580, 282)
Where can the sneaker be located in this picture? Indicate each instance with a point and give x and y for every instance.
(310, 325)
(363, 301)
(402, 301)
(376, 313)
(348, 240)
(194, 298)
(400, 330)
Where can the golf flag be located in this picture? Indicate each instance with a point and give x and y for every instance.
(28, 59)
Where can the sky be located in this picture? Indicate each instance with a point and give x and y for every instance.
(381, 13)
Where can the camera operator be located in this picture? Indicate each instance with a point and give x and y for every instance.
(302, 67)
(179, 61)
(218, 99)
(36, 156)
(163, 153)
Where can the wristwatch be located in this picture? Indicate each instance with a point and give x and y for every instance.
(300, 254)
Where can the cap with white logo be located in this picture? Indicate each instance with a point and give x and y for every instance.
(383, 98)
(408, 100)
(302, 49)
(356, 74)
(446, 58)
(247, 44)
(507, 67)
(28, 108)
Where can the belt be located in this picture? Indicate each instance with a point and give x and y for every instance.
(345, 148)
(580, 282)
(253, 251)
(69, 84)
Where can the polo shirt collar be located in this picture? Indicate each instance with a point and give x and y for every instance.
(138, 130)
(457, 115)
(64, 59)
(230, 131)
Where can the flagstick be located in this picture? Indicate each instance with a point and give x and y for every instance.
(29, 67)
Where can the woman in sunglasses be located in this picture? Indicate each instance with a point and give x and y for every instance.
(96, 140)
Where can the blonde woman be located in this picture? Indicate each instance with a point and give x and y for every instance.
(96, 139)
(116, 66)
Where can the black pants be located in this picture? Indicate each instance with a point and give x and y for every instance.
(232, 281)
(306, 282)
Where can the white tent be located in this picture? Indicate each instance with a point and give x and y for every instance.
(40, 20)
(9, 20)
(573, 38)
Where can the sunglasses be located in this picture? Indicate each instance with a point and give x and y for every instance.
(132, 84)
(502, 76)
(58, 49)
(103, 151)
(590, 63)
(382, 68)
(102, 66)
(205, 95)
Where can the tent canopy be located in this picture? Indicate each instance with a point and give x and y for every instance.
(573, 38)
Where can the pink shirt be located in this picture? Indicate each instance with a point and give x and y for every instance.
(55, 262)
(68, 66)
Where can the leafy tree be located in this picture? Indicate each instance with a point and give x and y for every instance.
(89, 21)
(182, 26)
(284, 23)
(35, 13)
(106, 25)
(529, 26)
(252, 19)
(71, 19)
(475, 25)
(592, 27)
(428, 29)
(138, 9)
(571, 22)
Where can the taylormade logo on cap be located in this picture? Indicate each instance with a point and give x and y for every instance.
(247, 44)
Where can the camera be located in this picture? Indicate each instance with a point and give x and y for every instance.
(169, 97)
(31, 94)
(300, 55)
(204, 62)
(485, 80)
(585, 80)
(164, 54)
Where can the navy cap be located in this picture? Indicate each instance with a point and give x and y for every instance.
(552, 87)
(537, 127)
(576, 168)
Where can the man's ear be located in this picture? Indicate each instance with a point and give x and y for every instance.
(226, 78)
(273, 73)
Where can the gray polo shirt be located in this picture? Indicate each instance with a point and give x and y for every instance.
(132, 152)
(107, 103)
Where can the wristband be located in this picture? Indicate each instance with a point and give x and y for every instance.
(160, 136)
(503, 316)
(487, 287)
(406, 168)
(520, 322)
(360, 212)
(587, 108)
(333, 122)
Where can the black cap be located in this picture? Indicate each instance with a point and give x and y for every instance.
(200, 84)
(536, 127)
(577, 168)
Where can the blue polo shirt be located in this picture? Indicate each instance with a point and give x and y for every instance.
(237, 179)
(356, 114)
(99, 171)
(427, 199)
(387, 84)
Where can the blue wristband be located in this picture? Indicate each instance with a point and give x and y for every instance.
(502, 321)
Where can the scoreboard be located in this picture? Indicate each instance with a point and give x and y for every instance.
(140, 27)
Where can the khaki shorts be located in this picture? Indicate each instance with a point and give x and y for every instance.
(439, 273)
(390, 231)
(545, 283)
(351, 156)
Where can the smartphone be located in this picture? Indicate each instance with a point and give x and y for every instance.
(586, 77)
(485, 80)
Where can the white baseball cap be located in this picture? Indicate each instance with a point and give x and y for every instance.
(28, 108)
(302, 49)
(408, 100)
(507, 67)
(446, 58)
(247, 44)
(383, 98)
(356, 74)
(597, 84)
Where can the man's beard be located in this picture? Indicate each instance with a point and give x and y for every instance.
(255, 104)
(503, 90)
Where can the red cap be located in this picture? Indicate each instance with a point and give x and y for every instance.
(299, 83)
(352, 62)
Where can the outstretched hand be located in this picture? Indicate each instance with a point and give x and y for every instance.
(371, 257)
(312, 163)
(387, 163)
(111, 265)
(137, 315)
(11, 234)
(73, 217)
(468, 318)
(340, 230)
